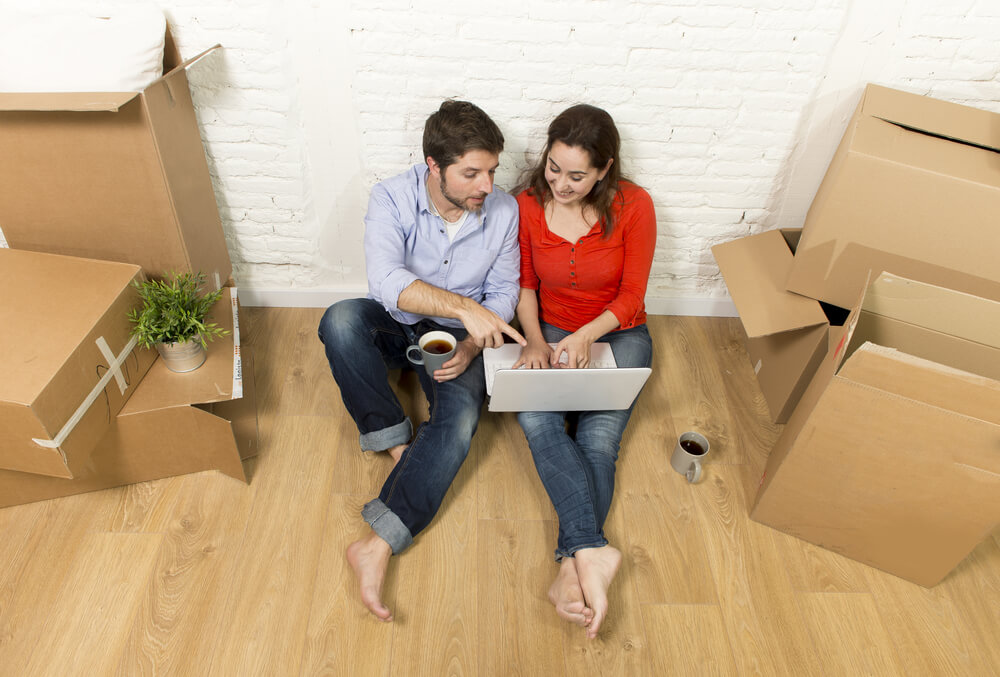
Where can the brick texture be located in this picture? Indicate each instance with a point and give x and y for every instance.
(310, 103)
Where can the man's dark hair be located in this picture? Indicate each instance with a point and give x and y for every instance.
(456, 128)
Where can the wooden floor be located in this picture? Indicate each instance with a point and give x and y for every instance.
(202, 575)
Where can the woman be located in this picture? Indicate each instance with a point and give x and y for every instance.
(587, 237)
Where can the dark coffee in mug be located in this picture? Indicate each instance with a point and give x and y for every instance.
(437, 347)
(692, 447)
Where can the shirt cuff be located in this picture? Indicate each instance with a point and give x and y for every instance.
(393, 285)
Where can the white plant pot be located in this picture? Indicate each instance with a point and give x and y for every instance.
(182, 357)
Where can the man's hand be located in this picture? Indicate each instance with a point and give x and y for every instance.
(465, 352)
(485, 327)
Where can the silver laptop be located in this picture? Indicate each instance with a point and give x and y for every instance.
(602, 386)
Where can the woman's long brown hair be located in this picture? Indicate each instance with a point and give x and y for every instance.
(592, 129)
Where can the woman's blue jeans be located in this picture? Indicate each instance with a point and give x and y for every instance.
(362, 343)
(578, 470)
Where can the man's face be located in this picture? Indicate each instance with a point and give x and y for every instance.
(466, 182)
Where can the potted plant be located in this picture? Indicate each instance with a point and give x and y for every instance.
(172, 318)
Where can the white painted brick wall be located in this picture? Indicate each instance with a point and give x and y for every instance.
(728, 109)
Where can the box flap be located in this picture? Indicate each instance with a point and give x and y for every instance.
(184, 65)
(217, 380)
(926, 381)
(65, 101)
(755, 269)
(933, 116)
(936, 308)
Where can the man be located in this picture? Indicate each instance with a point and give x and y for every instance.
(442, 253)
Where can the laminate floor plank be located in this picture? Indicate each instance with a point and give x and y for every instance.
(98, 603)
(341, 634)
(516, 569)
(848, 633)
(275, 568)
(690, 640)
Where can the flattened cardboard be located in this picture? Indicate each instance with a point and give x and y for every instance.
(787, 334)
(891, 458)
(56, 314)
(113, 176)
(913, 189)
(174, 424)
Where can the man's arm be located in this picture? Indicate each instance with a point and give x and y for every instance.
(485, 327)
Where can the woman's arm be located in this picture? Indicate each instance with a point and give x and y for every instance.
(537, 354)
(638, 223)
(577, 345)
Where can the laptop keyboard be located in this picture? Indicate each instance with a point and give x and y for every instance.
(492, 369)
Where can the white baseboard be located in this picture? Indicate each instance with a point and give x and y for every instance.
(323, 297)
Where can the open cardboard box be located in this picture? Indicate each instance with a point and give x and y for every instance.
(892, 457)
(118, 176)
(787, 334)
(69, 364)
(914, 189)
(174, 424)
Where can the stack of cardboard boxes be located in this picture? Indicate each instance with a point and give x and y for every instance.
(101, 190)
(875, 335)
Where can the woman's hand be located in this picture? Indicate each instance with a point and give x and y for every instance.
(536, 355)
(576, 347)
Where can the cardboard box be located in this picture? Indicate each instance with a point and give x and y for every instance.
(174, 424)
(787, 334)
(893, 456)
(69, 363)
(119, 176)
(914, 189)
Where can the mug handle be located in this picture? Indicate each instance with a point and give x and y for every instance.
(417, 360)
(694, 472)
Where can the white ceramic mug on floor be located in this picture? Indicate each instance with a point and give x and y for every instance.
(689, 452)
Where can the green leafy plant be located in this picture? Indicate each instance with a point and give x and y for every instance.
(174, 311)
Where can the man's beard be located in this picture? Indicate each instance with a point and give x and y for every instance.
(461, 204)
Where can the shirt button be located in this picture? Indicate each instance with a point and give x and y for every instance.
(441, 231)
(446, 261)
(573, 283)
(572, 261)
(571, 273)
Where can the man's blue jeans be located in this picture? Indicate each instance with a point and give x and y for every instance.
(578, 470)
(362, 343)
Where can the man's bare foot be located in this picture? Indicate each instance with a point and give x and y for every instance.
(567, 595)
(597, 568)
(396, 452)
(369, 557)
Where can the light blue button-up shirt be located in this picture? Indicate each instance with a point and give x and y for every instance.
(405, 241)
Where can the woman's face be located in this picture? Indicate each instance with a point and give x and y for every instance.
(569, 173)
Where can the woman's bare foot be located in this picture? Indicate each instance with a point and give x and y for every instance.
(597, 568)
(567, 595)
(369, 557)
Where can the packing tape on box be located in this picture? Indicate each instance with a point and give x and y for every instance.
(237, 358)
(3, 241)
(109, 355)
(114, 372)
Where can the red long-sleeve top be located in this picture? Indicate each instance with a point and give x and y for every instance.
(577, 281)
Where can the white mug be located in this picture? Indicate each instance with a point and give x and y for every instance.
(690, 450)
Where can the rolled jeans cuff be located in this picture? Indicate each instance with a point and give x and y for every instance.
(387, 525)
(571, 552)
(387, 438)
